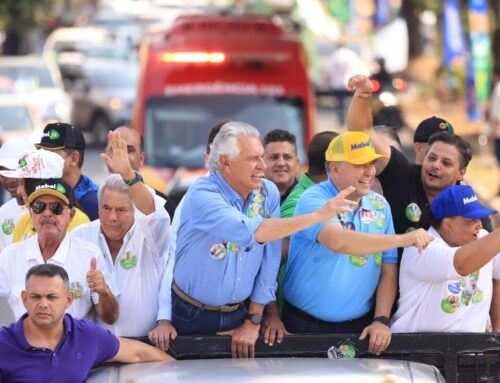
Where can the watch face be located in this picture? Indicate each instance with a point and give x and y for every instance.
(254, 318)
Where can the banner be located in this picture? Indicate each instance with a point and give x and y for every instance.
(453, 35)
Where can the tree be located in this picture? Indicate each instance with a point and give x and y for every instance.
(19, 17)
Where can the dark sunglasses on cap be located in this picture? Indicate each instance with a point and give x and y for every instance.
(39, 207)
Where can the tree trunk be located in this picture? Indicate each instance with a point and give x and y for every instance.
(409, 13)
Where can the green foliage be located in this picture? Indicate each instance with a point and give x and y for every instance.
(21, 15)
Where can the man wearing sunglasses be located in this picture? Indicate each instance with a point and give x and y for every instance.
(51, 209)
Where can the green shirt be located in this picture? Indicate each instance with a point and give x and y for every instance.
(288, 206)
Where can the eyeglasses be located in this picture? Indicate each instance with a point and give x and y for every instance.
(38, 207)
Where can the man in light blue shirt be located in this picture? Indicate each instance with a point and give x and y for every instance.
(228, 249)
(336, 268)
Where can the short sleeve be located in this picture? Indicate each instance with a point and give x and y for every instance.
(108, 344)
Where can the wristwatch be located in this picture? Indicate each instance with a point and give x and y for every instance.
(133, 181)
(383, 320)
(254, 318)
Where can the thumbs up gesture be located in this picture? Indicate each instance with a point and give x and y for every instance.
(95, 279)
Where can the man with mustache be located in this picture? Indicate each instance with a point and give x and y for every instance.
(51, 210)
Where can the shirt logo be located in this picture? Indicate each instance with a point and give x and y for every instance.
(128, 261)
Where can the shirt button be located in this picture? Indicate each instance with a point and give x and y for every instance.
(241, 258)
(238, 279)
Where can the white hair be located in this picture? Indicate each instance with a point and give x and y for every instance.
(226, 143)
(113, 182)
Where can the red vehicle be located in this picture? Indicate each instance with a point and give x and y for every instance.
(212, 67)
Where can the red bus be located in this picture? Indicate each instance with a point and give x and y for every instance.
(212, 67)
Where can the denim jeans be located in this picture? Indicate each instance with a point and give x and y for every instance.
(188, 319)
(299, 325)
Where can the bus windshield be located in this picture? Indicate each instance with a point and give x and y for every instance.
(176, 128)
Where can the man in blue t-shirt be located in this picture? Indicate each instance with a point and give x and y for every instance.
(46, 345)
(342, 274)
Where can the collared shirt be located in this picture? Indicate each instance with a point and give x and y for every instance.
(218, 260)
(10, 212)
(288, 191)
(86, 195)
(331, 286)
(83, 346)
(436, 298)
(137, 269)
(73, 254)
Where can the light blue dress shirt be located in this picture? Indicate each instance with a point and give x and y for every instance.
(330, 286)
(217, 260)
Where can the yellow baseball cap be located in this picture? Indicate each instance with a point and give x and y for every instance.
(353, 147)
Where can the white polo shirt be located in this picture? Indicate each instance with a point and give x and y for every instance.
(138, 268)
(10, 212)
(73, 255)
(435, 298)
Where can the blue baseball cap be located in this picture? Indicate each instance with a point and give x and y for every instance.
(458, 200)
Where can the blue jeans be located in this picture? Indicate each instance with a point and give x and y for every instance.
(300, 324)
(188, 319)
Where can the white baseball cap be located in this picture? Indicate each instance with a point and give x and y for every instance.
(37, 164)
(12, 150)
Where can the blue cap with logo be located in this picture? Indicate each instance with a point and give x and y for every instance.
(459, 200)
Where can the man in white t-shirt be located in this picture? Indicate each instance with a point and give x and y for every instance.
(13, 209)
(448, 288)
(132, 232)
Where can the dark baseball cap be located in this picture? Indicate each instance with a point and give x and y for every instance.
(61, 135)
(430, 126)
(53, 186)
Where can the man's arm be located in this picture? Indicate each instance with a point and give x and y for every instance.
(119, 163)
(275, 228)
(245, 336)
(353, 242)
(495, 306)
(107, 307)
(476, 254)
(359, 117)
(134, 351)
(379, 333)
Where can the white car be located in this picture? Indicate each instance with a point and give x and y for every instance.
(18, 120)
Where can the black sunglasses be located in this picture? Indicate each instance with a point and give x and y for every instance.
(39, 207)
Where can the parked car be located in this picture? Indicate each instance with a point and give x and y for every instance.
(18, 120)
(39, 83)
(103, 92)
(264, 370)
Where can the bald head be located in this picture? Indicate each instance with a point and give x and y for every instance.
(134, 146)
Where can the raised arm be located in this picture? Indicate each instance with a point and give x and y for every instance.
(118, 162)
(476, 254)
(359, 116)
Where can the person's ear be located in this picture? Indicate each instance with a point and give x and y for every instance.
(69, 299)
(72, 212)
(24, 297)
(224, 160)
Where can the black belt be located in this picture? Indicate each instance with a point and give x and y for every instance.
(309, 318)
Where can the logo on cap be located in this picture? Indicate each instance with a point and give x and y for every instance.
(60, 188)
(54, 135)
(360, 146)
(469, 199)
(22, 163)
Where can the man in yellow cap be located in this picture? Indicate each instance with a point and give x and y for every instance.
(342, 274)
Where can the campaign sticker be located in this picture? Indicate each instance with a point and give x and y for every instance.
(255, 210)
(258, 197)
(129, 261)
(450, 304)
(413, 212)
(466, 297)
(377, 201)
(478, 296)
(231, 246)
(454, 287)
(379, 223)
(357, 260)
(345, 351)
(8, 226)
(218, 251)
(366, 217)
(77, 289)
(377, 257)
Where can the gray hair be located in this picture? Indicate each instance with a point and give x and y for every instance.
(113, 182)
(226, 143)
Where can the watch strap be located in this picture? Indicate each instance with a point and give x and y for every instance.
(133, 181)
(383, 320)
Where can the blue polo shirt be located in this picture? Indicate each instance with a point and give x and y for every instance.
(330, 286)
(218, 261)
(83, 346)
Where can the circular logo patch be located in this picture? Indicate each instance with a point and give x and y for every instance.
(357, 260)
(377, 201)
(377, 257)
(218, 251)
(450, 304)
(77, 289)
(413, 212)
(454, 287)
(478, 296)
(8, 226)
(128, 261)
